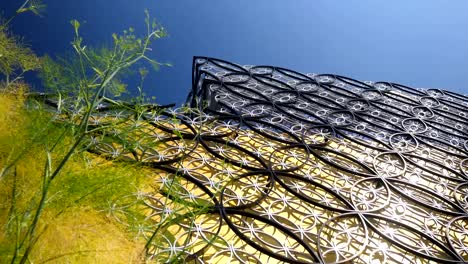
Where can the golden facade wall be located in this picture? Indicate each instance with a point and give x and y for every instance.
(272, 166)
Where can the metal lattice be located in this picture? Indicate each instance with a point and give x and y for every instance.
(280, 166)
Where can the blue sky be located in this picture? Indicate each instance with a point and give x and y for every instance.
(416, 43)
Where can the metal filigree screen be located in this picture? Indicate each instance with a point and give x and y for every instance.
(280, 166)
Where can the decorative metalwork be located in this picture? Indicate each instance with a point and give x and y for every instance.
(271, 165)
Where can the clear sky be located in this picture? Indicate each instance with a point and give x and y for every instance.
(419, 43)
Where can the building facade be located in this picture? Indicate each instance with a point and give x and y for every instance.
(268, 165)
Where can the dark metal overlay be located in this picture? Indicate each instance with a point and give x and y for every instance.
(272, 165)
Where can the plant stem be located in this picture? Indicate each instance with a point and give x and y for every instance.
(16, 13)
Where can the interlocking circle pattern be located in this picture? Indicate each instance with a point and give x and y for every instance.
(278, 166)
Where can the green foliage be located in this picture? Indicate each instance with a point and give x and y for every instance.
(96, 185)
(47, 179)
(34, 6)
(63, 74)
(84, 189)
(15, 57)
(59, 74)
(101, 70)
(82, 82)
